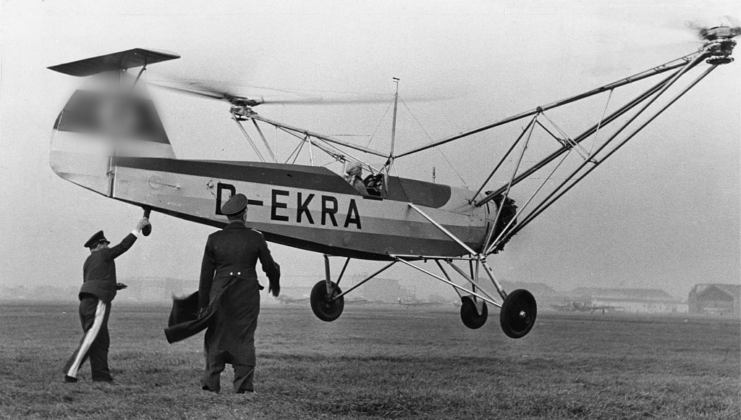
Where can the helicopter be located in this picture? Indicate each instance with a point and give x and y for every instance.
(109, 139)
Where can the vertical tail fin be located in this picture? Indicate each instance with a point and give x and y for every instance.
(111, 115)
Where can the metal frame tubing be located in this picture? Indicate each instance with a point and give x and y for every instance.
(679, 62)
(365, 280)
(625, 125)
(264, 140)
(445, 231)
(604, 122)
(468, 279)
(501, 161)
(509, 185)
(545, 204)
(318, 136)
(485, 299)
(249, 139)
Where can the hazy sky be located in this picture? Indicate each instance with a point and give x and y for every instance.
(664, 212)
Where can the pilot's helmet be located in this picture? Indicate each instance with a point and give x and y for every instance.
(354, 168)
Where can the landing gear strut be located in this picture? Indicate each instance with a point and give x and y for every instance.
(327, 301)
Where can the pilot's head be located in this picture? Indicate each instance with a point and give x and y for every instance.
(354, 168)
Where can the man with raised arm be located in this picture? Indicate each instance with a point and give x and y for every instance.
(98, 289)
(229, 293)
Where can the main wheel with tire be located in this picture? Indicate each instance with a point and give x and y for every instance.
(322, 305)
(470, 315)
(518, 314)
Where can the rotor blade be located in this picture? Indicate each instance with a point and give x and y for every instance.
(277, 97)
(322, 101)
(188, 90)
(211, 91)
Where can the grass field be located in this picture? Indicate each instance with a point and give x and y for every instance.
(383, 362)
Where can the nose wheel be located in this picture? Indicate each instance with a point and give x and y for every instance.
(322, 304)
(470, 315)
(518, 313)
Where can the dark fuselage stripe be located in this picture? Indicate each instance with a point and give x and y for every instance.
(288, 177)
(280, 175)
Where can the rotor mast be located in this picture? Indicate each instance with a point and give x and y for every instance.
(393, 122)
(390, 160)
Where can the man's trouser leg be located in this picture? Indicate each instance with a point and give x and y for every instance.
(244, 364)
(99, 353)
(210, 381)
(94, 319)
(243, 378)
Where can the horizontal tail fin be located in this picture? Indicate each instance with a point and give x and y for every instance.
(122, 60)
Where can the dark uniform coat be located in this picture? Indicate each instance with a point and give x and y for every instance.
(229, 293)
(99, 271)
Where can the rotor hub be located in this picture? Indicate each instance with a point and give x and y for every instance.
(720, 43)
(242, 112)
(720, 51)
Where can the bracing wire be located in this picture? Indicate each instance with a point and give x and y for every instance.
(599, 125)
(379, 124)
(430, 138)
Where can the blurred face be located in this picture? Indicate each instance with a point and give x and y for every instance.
(101, 245)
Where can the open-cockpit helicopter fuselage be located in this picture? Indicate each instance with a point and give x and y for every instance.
(110, 139)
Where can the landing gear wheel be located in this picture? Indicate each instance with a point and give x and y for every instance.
(518, 313)
(324, 308)
(470, 315)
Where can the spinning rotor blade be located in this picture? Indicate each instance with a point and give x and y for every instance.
(207, 91)
(725, 27)
(280, 97)
(189, 91)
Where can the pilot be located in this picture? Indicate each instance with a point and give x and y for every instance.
(98, 289)
(354, 172)
(229, 293)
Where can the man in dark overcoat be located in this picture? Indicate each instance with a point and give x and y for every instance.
(98, 289)
(230, 293)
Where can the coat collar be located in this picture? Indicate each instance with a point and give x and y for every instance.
(236, 225)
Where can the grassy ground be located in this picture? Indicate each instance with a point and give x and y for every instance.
(383, 362)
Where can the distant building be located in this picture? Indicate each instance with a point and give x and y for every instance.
(631, 300)
(544, 294)
(715, 299)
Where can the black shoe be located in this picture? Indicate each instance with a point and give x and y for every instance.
(206, 388)
(69, 379)
(246, 391)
